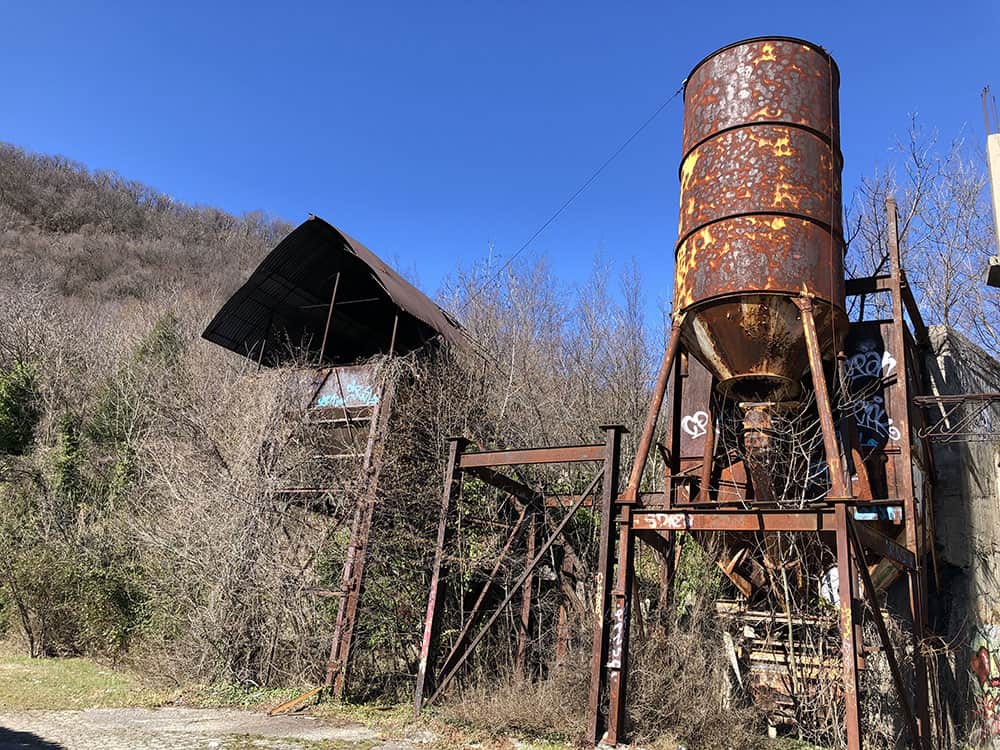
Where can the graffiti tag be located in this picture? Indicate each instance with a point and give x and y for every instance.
(986, 669)
(870, 364)
(874, 421)
(695, 424)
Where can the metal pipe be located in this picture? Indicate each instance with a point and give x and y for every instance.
(329, 318)
(653, 414)
(452, 486)
(837, 485)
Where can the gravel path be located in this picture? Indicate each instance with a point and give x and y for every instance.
(180, 729)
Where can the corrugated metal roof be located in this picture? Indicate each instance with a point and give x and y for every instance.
(281, 310)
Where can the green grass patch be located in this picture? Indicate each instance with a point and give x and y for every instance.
(27, 683)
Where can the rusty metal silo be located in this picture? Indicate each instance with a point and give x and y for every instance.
(760, 214)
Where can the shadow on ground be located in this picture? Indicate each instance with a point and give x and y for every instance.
(14, 740)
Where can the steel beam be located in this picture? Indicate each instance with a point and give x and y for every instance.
(900, 400)
(452, 487)
(618, 648)
(726, 520)
(848, 634)
(885, 547)
(653, 414)
(522, 456)
(596, 718)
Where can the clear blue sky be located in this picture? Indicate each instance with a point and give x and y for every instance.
(430, 129)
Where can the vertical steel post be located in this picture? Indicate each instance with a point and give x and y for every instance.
(848, 635)
(618, 648)
(676, 414)
(452, 487)
(596, 720)
(708, 456)
(901, 416)
(521, 654)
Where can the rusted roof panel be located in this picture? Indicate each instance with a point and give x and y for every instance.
(281, 310)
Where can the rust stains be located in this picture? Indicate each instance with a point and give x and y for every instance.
(760, 218)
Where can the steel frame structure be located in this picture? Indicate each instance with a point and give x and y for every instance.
(434, 679)
(957, 416)
(656, 518)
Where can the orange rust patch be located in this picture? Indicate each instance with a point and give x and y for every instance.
(766, 54)
(767, 113)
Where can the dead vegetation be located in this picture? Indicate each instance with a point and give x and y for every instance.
(138, 466)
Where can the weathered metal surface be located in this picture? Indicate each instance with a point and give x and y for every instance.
(857, 534)
(653, 413)
(289, 298)
(513, 591)
(760, 214)
(520, 456)
(597, 719)
(849, 645)
(884, 546)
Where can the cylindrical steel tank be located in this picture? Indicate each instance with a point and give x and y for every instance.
(760, 214)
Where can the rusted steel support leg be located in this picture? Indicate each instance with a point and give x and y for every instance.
(837, 485)
(887, 647)
(899, 406)
(618, 649)
(527, 587)
(848, 636)
(452, 487)
(653, 414)
(596, 718)
(705, 482)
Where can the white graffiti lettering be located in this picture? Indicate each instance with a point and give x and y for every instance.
(872, 418)
(870, 365)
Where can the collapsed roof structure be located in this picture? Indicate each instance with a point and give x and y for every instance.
(320, 283)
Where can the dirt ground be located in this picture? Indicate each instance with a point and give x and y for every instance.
(185, 729)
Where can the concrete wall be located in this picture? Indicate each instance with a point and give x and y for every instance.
(965, 598)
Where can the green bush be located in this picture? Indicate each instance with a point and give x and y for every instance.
(19, 408)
